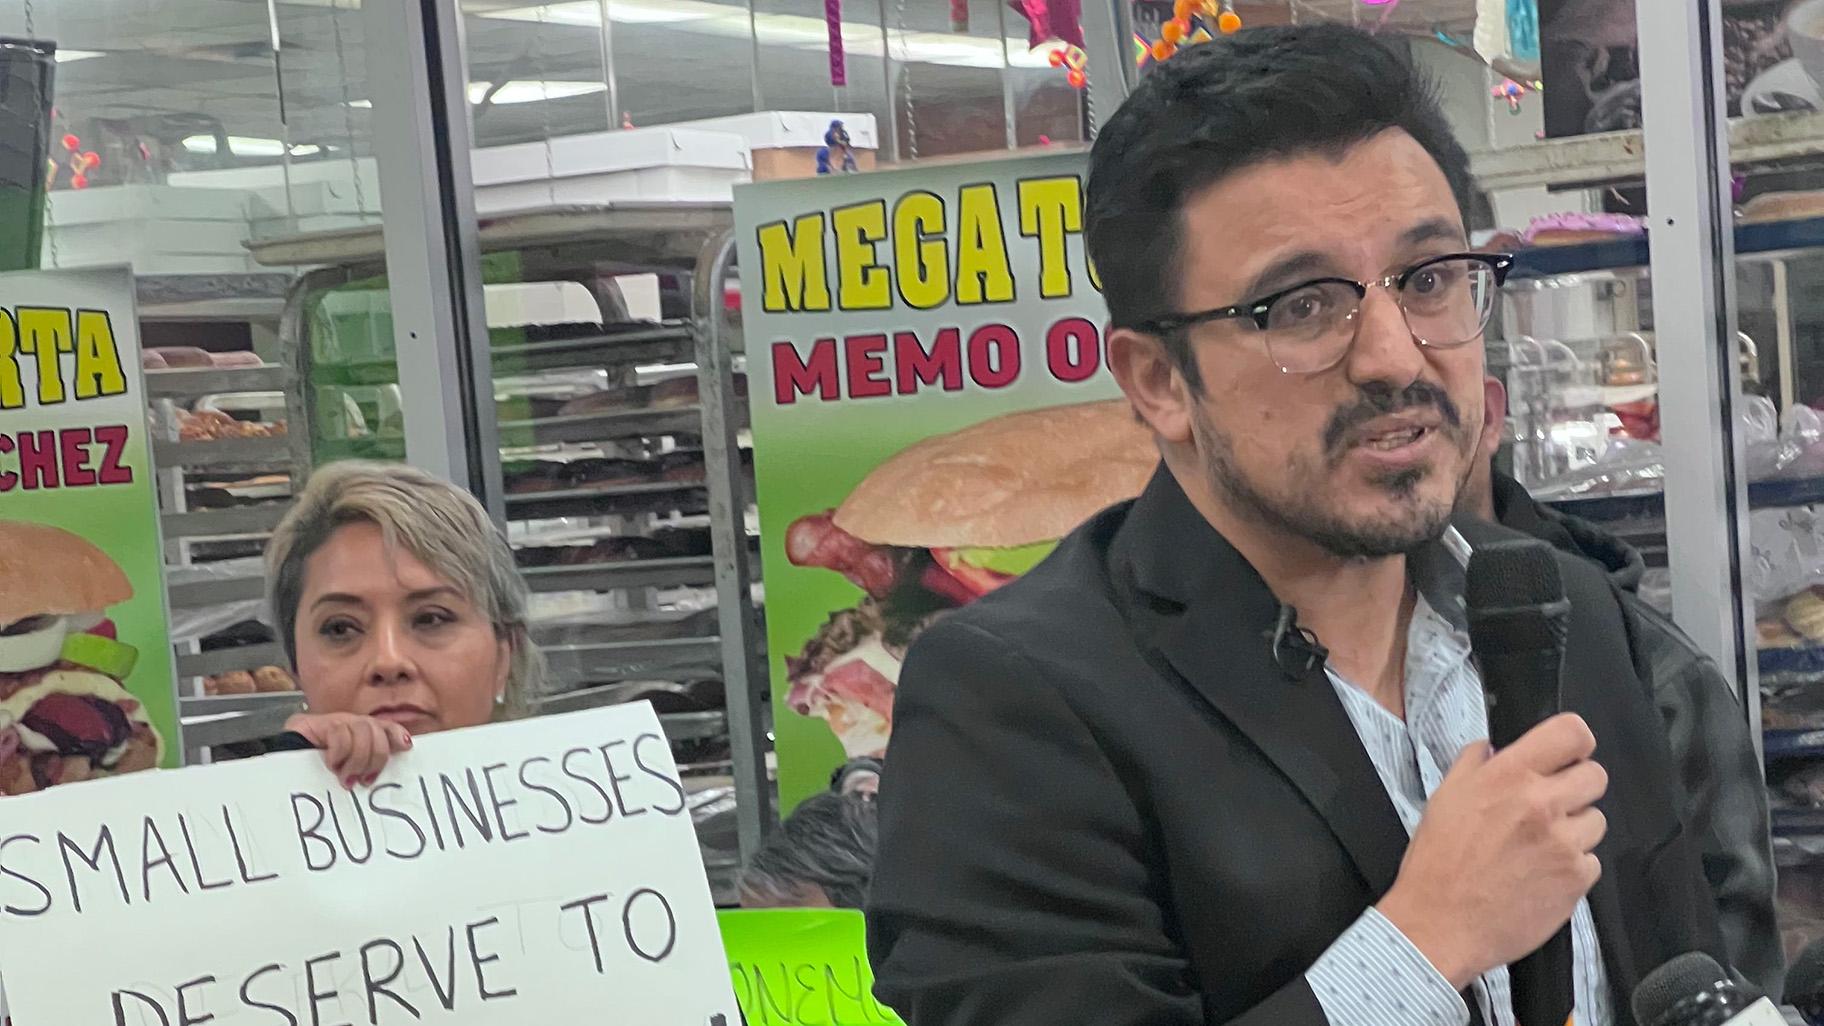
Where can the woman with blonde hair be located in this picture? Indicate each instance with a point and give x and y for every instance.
(398, 601)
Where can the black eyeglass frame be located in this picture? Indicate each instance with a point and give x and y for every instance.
(1257, 310)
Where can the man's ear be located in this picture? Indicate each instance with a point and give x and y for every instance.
(1153, 383)
(1494, 416)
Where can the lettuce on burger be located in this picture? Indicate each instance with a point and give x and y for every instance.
(65, 714)
(937, 526)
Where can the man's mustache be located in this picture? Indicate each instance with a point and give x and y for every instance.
(1379, 400)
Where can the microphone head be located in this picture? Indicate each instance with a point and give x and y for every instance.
(1513, 572)
(1686, 976)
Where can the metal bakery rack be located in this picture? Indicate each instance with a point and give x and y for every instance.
(226, 463)
(619, 392)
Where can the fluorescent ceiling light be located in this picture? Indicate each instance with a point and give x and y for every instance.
(589, 13)
(533, 92)
(248, 146)
(518, 91)
(789, 30)
(71, 56)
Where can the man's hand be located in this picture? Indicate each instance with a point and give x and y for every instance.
(355, 748)
(1502, 855)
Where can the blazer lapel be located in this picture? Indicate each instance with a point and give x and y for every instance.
(1207, 612)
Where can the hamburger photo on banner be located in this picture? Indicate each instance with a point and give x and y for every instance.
(937, 526)
(65, 713)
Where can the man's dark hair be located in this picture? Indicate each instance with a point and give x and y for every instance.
(1221, 106)
(828, 841)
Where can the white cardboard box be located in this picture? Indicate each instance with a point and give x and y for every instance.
(667, 163)
(791, 129)
(115, 203)
(673, 184)
(608, 152)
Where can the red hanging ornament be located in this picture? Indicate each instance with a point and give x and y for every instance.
(959, 15)
(832, 18)
(1051, 19)
(79, 181)
(70, 142)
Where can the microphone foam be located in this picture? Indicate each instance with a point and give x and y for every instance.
(1513, 572)
(1688, 975)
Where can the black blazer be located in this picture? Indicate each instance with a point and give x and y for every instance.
(1106, 803)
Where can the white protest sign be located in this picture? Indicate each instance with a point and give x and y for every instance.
(537, 872)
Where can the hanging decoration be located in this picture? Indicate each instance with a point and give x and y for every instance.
(832, 17)
(1074, 62)
(1513, 91)
(1506, 37)
(1523, 30)
(1190, 25)
(1051, 19)
(77, 161)
(959, 15)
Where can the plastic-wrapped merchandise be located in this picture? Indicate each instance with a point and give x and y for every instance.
(198, 622)
(1628, 466)
(1786, 554)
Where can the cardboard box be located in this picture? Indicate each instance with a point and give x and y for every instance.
(794, 129)
(799, 162)
(115, 203)
(668, 163)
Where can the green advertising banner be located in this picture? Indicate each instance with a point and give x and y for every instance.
(86, 674)
(801, 967)
(901, 329)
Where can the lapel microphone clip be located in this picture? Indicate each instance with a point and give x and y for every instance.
(1296, 651)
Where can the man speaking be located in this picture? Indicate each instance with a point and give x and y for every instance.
(1222, 757)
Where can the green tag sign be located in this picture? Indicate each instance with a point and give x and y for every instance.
(801, 967)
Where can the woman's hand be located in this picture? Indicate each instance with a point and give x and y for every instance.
(355, 748)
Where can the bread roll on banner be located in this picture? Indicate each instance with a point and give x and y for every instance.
(940, 524)
(64, 713)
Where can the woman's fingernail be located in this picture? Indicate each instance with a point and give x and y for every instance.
(408, 740)
(349, 783)
(371, 777)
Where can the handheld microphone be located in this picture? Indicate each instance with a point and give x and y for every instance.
(1518, 622)
(1692, 990)
(1805, 983)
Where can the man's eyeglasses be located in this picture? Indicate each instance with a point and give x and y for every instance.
(1310, 327)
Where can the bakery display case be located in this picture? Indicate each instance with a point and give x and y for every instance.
(1576, 343)
(619, 399)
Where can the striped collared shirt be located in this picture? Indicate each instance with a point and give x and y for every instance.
(1372, 975)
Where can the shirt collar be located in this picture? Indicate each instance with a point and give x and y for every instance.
(1439, 572)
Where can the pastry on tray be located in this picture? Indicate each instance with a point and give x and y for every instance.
(1805, 612)
(1570, 229)
(1783, 206)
